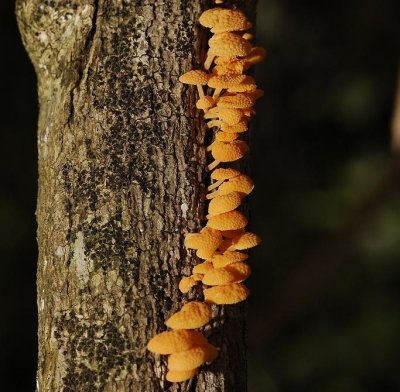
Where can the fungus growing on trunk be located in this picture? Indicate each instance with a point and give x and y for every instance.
(192, 315)
(229, 108)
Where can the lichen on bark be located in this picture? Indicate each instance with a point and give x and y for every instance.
(121, 179)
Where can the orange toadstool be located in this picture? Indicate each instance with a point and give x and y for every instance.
(228, 221)
(226, 294)
(192, 358)
(179, 376)
(230, 116)
(232, 273)
(228, 257)
(242, 184)
(236, 101)
(186, 283)
(222, 19)
(245, 240)
(202, 268)
(256, 55)
(221, 175)
(169, 342)
(225, 203)
(192, 315)
(227, 152)
(196, 77)
(226, 44)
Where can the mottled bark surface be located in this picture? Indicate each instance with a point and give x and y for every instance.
(121, 163)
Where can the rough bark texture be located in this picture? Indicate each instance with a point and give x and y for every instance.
(121, 163)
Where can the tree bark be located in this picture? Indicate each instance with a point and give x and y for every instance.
(121, 179)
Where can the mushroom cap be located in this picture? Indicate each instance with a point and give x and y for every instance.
(225, 81)
(231, 233)
(169, 342)
(207, 239)
(255, 94)
(247, 85)
(192, 315)
(225, 245)
(228, 221)
(237, 101)
(179, 376)
(195, 77)
(205, 103)
(206, 242)
(228, 257)
(232, 273)
(226, 294)
(245, 240)
(225, 203)
(241, 183)
(233, 66)
(241, 126)
(192, 358)
(229, 151)
(186, 283)
(224, 174)
(202, 268)
(256, 55)
(229, 45)
(222, 19)
(226, 136)
(230, 116)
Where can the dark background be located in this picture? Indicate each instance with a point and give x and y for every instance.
(323, 314)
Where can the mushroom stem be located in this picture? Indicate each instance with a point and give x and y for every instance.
(200, 90)
(209, 60)
(213, 165)
(216, 184)
(209, 148)
(217, 93)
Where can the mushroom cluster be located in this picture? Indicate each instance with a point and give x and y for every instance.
(220, 244)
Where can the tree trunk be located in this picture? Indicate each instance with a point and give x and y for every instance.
(121, 179)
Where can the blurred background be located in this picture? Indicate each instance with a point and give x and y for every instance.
(323, 314)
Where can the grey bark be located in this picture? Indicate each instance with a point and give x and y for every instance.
(121, 179)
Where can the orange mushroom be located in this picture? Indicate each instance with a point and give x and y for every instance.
(192, 358)
(226, 294)
(222, 19)
(236, 101)
(192, 315)
(226, 44)
(232, 273)
(227, 221)
(221, 175)
(225, 203)
(227, 152)
(197, 78)
(245, 240)
(242, 184)
(202, 268)
(228, 257)
(169, 342)
(180, 375)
